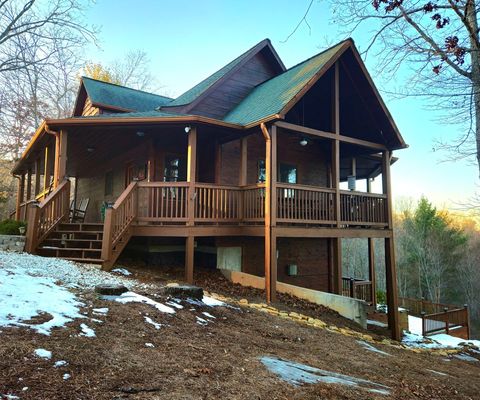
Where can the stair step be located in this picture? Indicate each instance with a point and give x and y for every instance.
(78, 235)
(72, 243)
(80, 227)
(84, 260)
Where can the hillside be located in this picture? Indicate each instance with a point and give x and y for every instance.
(154, 347)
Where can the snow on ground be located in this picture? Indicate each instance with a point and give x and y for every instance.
(208, 315)
(66, 377)
(369, 347)
(42, 353)
(100, 311)
(122, 271)
(132, 297)
(60, 363)
(297, 374)
(201, 321)
(86, 276)
(149, 345)
(30, 286)
(87, 331)
(414, 338)
(150, 321)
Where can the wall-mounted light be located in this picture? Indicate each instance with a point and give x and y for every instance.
(140, 134)
(188, 128)
(91, 149)
(303, 142)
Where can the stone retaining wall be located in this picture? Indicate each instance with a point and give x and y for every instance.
(12, 242)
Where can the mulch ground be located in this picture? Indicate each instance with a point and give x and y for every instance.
(216, 361)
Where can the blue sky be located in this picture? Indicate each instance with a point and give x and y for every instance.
(188, 40)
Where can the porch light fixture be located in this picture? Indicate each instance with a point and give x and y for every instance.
(188, 128)
(303, 142)
(140, 134)
(90, 149)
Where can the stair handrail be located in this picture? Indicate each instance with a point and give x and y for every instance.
(118, 219)
(44, 217)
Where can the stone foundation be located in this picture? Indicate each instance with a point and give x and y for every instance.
(12, 242)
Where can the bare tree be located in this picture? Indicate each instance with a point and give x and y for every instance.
(132, 70)
(438, 42)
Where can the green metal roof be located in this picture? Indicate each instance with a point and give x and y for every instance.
(138, 114)
(193, 93)
(270, 97)
(122, 97)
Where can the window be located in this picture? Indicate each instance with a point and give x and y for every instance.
(175, 169)
(109, 183)
(288, 173)
(261, 171)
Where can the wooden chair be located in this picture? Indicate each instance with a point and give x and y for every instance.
(78, 214)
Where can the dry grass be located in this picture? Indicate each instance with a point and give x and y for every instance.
(220, 360)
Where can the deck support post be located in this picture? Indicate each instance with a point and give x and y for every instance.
(191, 178)
(191, 174)
(336, 247)
(242, 179)
(390, 266)
(46, 173)
(270, 137)
(189, 258)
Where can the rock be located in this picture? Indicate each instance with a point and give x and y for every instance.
(183, 291)
(111, 289)
(243, 301)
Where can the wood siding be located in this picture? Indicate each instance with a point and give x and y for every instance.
(88, 109)
(234, 89)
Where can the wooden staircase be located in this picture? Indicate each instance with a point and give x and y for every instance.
(80, 242)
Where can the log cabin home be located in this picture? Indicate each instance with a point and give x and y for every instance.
(252, 162)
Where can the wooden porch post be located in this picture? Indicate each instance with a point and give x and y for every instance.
(242, 181)
(38, 174)
(270, 211)
(151, 161)
(60, 166)
(191, 178)
(29, 184)
(371, 259)
(336, 242)
(46, 172)
(20, 195)
(390, 266)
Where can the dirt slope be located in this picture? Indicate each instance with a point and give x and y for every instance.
(219, 360)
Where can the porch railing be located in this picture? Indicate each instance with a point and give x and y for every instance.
(305, 204)
(214, 203)
(357, 208)
(118, 220)
(45, 217)
(439, 317)
(254, 203)
(357, 289)
(162, 201)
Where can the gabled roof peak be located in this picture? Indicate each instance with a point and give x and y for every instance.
(202, 88)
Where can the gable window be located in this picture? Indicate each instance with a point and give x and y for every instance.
(108, 183)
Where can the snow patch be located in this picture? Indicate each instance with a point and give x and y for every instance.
(42, 353)
(201, 321)
(122, 271)
(60, 363)
(100, 311)
(174, 304)
(208, 315)
(152, 322)
(87, 331)
(149, 345)
(376, 323)
(132, 297)
(465, 357)
(369, 347)
(297, 374)
(441, 340)
(437, 372)
(66, 377)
